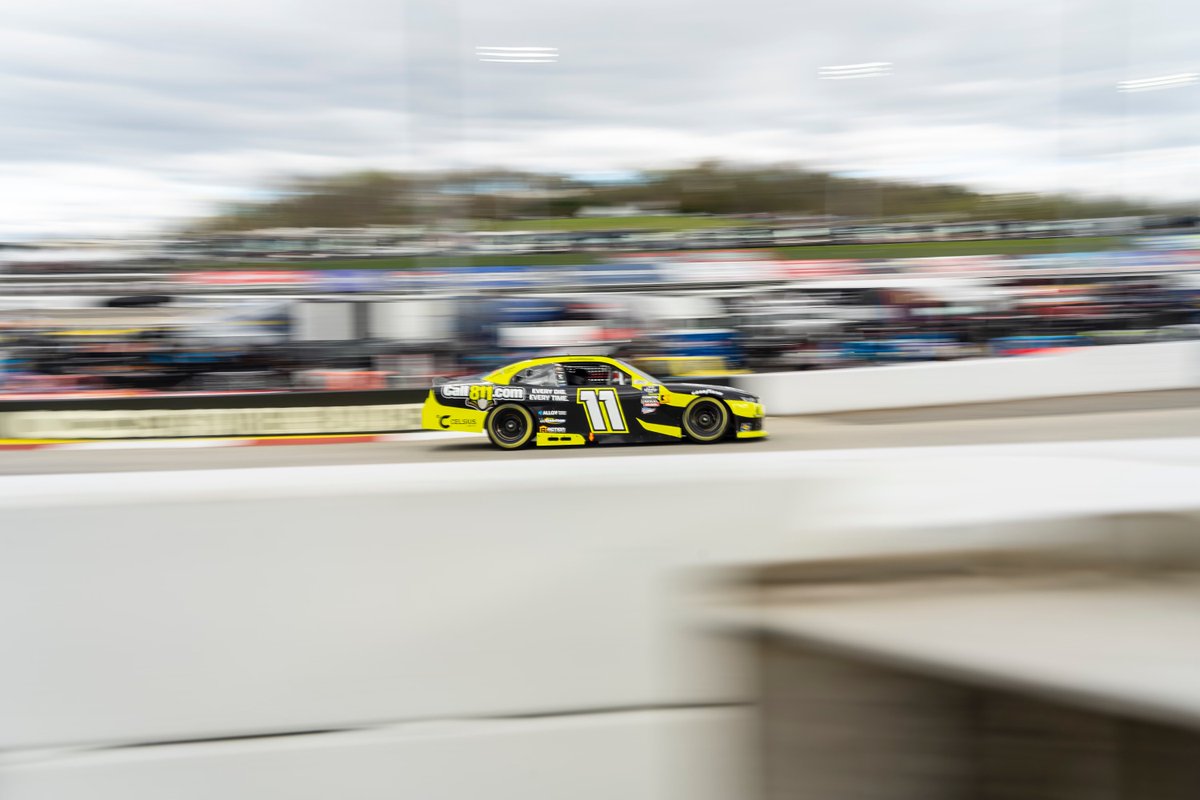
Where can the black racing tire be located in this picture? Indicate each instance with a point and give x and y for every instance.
(510, 426)
(706, 420)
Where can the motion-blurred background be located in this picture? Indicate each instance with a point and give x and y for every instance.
(954, 247)
(771, 187)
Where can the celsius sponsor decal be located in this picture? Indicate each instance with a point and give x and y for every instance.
(445, 421)
(708, 391)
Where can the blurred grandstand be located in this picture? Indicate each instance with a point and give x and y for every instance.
(145, 318)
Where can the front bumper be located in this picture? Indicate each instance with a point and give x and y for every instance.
(749, 428)
(748, 419)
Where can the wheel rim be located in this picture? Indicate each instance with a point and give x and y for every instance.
(509, 426)
(706, 419)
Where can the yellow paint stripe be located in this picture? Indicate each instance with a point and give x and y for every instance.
(676, 400)
(666, 430)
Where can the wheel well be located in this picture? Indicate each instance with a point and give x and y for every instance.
(508, 404)
(730, 427)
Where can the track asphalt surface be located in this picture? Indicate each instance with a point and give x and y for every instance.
(1145, 415)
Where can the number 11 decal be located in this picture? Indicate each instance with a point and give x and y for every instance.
(603, 410)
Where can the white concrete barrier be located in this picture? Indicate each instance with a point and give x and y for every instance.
(149, 608)
(179, 605)
(1087, 370)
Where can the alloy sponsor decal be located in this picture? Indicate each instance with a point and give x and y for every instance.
(552, 412)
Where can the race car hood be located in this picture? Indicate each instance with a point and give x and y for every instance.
(726, 392)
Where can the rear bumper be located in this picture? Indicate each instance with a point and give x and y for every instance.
(437, 417)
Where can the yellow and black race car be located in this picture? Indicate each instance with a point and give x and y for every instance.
(576, 400)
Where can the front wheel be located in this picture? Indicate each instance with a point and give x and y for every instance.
(509, 426)
(705, 420)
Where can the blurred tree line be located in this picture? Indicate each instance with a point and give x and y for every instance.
(710, 187)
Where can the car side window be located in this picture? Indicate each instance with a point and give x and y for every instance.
(596, 374)
(540, 375)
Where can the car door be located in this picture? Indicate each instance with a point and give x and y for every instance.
(612, 404)
(609, 402)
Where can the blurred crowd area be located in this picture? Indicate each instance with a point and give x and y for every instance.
(677, 314)
(79, 265)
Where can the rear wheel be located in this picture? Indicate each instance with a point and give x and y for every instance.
(509, 426)
(705, 420)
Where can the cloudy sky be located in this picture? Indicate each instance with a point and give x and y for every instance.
(128, 114)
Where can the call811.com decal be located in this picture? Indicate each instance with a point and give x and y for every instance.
(482, 397)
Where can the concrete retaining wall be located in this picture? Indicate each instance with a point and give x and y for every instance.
(1089, 370)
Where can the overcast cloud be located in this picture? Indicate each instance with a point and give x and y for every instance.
(130, 114)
